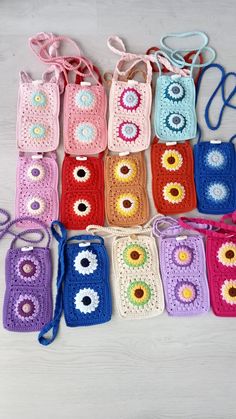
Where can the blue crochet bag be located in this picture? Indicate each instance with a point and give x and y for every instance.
(83, 289)
(175, 115)
(215, 161)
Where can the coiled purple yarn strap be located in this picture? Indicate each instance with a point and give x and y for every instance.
(170, 222)
(7, 224)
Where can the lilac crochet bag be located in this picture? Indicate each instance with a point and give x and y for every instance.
(183, 268)
(36, 187)
(28, 298)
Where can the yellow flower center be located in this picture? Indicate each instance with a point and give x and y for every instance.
(183, 256)
(37, 130)
(187, 293)
(37, 98)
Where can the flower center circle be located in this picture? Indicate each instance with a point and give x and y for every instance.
(86, 300)
(182, 256)
(26, 308)
(232, 292)
(82, 207)
(27, 268)
(35, 172)
(81, 173)
(124, 170)
(138, 293)
(134, 255)
(171, 160)
(35, 205)
(217, 191)
(127, 203)
(229, 254)
(187, 293)
(174, 192)
(175, 90)
(176, 120)
(85, 262)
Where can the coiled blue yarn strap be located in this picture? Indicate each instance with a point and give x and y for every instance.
(226, 99)
(54, 323)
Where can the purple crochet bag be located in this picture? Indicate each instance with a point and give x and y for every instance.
(183, 268)
(28, 297)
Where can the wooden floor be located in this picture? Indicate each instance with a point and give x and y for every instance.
(161, 368)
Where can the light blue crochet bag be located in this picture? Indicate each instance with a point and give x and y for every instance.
(175, 115)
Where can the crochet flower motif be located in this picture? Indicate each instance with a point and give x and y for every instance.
(171, 160)
(217, 191)
(36, 172)
(28, 268)
(215, 159)
(26, 307)
(128, 131)
(86, 300)
(39, 99)
(37, 131)
(139, 293)
(176, 122)
(81, 173)
(85, 132)
(125, 170)
(134, 255)
(175, 92)
(127, 204)
(174, 192)
(227, 254)
(82, 207)
(86, 262)
(182, 255)
(185, 292)
(85, 99)
(130, 99)
(228, 291)
(36, 206)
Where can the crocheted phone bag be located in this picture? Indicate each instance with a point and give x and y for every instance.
(126, 200)
(221, 261)
(37, 127)
(175, 114)
(82, 199)
(129, 103)
(183, 268)
(173, 185)
(138, 287)
(215, 161)
(85, 102)
(28, 296)
(83, 289)
(36, 187)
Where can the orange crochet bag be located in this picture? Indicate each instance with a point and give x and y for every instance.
(126, 200)
(173, 185)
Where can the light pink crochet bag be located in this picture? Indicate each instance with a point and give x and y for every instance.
(36, 188)
(130, 102)
(37, 127)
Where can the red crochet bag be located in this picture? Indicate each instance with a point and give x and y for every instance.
(82, 199)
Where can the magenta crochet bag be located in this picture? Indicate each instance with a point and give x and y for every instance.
(183, 268)
(221, 261)
(28, 296)
(37, 127)
(36, 188)
(130, 102)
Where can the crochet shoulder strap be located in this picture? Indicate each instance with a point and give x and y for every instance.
(163, 225)
(60, 234)
(128, 60)
(210, 228)
(118, 231)
(7, 225)
(226, 98)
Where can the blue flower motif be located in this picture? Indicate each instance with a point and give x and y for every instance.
(85, 132)
(217, 192)
(38, 99)
(215, 159)
(85, 99)
(175, 92)
(175, 122)
(37, 131)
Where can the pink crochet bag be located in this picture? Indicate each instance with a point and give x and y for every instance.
(221, 261)
(85, 102)
(36, 188)
(37, 127)
(129, 103)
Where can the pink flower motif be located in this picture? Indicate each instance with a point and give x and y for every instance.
(128, 131)
(130, 99)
